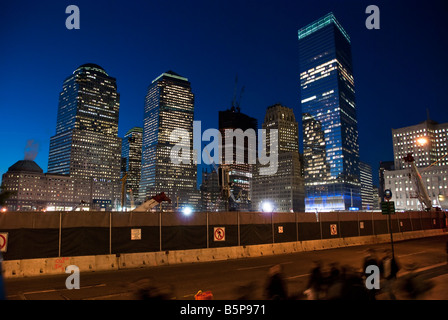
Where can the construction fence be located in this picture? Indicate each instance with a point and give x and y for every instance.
(28, 235)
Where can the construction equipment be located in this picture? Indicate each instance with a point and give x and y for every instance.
(79, 205)
(151, 203)
(416, 178)
(223, 181)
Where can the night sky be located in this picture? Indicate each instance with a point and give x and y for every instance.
(400, 70)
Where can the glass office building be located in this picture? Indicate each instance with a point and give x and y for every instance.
(330, 128)
(169, 105)
(131, 161)
(86, 145)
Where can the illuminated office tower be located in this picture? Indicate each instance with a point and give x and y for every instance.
(169, 105)
(365, 172)
(330, 127)
(131, 161)
(284, 189)
(86, 145)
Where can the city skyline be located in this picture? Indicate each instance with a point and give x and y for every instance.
(272, 49)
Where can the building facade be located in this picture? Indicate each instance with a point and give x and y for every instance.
(405, 192)
(284, 190)
(367, 191)
(131, 162)
(211, 193)
(240, 172)
(426, 141)
(34, 190)
(169, 105)
(384, 166)
(86, 145)
(330, 127)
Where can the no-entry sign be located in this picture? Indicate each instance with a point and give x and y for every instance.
(219, 234)
(3, 241)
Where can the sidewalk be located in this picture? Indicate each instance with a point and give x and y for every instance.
(434, 276)
(440, 290)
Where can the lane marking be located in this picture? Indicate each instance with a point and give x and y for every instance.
(411, 254)
(262, 266)
(299, 276)
(56, 290)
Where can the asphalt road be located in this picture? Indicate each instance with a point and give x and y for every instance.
(227, 280)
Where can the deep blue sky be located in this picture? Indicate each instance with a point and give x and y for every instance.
(400, 70)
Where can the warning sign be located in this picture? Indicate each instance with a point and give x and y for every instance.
(3, 241)
(333, 229)
(219, 233)
(136, 234)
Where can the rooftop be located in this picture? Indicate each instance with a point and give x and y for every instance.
(25, 165)
(91, 66)
(321, 23)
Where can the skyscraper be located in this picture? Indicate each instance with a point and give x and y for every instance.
(284, 189)
(366, 185)
(131, 157)
(330, 127)
(86, 145)
(169, 105)
(240, 174)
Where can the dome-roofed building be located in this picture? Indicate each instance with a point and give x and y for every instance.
(90, 67)
(34, 190)
(25, 166)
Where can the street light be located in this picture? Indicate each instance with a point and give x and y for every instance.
(187, 211)
(422, 141)
(267, 207)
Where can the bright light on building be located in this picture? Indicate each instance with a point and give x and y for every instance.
(422, 141)
(187, 211)
(3, 209)
(267, 207)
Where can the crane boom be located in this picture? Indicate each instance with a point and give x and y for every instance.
(423, 195)
(151, 203)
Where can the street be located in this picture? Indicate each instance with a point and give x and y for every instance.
(231, 279)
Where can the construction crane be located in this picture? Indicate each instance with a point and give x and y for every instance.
(422, 192)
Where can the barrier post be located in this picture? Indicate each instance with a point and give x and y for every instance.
(160, 230)
(60, 234)
(320, 224)
(238, 227)
(207, 230)
(110, 232)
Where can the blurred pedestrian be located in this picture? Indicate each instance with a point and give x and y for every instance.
(276, 286)
(315, 282)
(335, 282)
(370, 259)
(388, 270)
